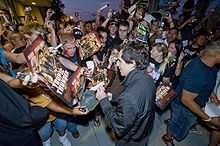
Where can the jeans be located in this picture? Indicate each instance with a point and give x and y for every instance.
(181, 121)
(46, 131)
(72, 127)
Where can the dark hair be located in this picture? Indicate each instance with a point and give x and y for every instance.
(113, 22)
(124, 23)
(101, 29)
(200, 33)
(134, 51)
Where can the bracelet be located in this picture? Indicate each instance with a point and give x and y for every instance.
(207, 120)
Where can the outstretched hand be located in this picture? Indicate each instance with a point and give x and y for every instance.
(78, 111)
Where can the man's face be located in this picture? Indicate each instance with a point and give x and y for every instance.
(123, 32)
(113, 29)
(155, 26)
(201, 40)
(124, 67)
(172, 35)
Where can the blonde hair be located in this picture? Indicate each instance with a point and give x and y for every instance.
(161, 47)
(166, 61)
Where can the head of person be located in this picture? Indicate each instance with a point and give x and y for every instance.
(140, 11)
(8, 46)
(113, 27)
(102, 33)
(158, 52)
(212, 52)
(200, 39)
(123, 30)
(131, 56)
(88, 27)
(17, 40)
(155, 24)
(94, 26)
(172, 34)
(69, 46)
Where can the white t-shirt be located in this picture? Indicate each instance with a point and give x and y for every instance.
(211, 109)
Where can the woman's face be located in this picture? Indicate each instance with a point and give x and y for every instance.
(70, 52)
(156, 55)
(88, 27)
(139, 14)
(70, 49)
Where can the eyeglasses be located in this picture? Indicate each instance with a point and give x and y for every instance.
(113, 23)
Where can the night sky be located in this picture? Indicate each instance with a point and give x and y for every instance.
(87, 8)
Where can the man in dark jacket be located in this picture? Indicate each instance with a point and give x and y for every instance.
(18, 120)
(131, 118)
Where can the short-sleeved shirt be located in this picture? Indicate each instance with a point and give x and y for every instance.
(198, 78)
(42, 100)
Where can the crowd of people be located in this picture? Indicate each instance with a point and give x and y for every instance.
(177, 46)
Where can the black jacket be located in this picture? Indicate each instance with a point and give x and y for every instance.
(18, 120)
(133, 115)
